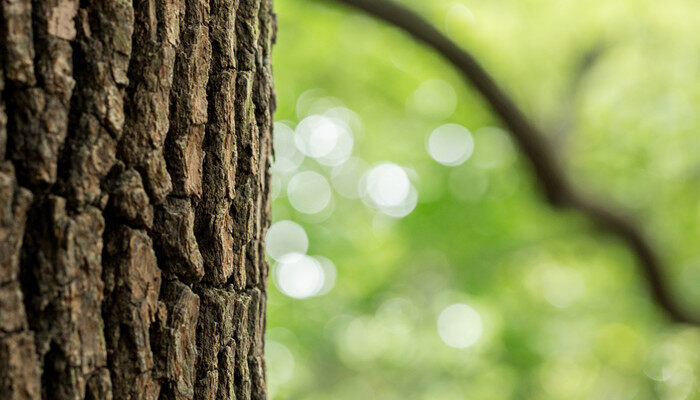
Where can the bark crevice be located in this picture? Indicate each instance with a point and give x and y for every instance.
(103, 287)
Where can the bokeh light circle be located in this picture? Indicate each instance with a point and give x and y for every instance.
(308, 192)
(327, 139)
(459, 326)
(387, 184)
(280, 363)
(285, 237)
(450, 144)
(299, 276)
(434, 100)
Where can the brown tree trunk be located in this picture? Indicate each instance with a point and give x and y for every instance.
(134, 153)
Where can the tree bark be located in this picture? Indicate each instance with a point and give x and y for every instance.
(135, 141)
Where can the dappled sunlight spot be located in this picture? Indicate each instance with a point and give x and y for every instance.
(388, 188)
(306, 100)
(319, 217)
(468, 184)
(280, 363)
(316, 136)
(564, 379)
(457, 17)
(327, 139)
(405, 207)
(459, 326)
(680, 383)
(308, 192)
(670, 364)
(434, 99)
(661, 360)
(387, 184)
(560, 286)
(565, 338)
(299, 276)
(285, 237)
(450, 144)
(620, 345)
(287, 157)
(362, 340)
(397, 315)
(388, 336)
(346, 177)
(494, 148)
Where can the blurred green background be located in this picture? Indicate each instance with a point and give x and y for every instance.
(412, 254)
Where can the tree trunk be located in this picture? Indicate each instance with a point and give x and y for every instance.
(135, 140)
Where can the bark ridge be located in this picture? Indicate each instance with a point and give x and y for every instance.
(135, 143)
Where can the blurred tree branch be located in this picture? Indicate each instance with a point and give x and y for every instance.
(565, 118)
(531, 141)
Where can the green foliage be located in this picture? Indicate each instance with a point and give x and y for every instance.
(564, 312)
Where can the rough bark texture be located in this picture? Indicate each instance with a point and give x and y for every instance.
(135, 140)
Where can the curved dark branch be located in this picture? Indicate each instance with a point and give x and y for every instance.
(566, 114)
(557, 188)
